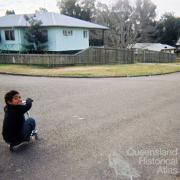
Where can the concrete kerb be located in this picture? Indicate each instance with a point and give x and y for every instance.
(124, 76)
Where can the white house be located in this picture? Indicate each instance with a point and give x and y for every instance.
(154, 47)
(64, 33)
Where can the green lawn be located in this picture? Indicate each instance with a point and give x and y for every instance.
(138, 69)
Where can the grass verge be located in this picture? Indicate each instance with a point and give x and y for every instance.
(119, 70)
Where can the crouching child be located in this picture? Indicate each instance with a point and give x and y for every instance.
(16, 129)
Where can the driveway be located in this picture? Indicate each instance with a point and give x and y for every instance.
(97, 129)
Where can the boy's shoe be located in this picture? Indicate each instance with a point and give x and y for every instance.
(34, 132)
(14, 147)
(30, 139)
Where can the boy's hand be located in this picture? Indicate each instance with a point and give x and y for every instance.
(29, 100)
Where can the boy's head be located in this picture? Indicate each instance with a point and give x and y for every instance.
(13, 97)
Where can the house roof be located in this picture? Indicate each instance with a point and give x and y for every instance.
(152, 46)
(48, 19)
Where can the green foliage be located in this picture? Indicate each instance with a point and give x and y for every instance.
(35, 35)
(145, 14)
(41, 10)
(9, 12)
(83, 9)
(168, 29)
(69, 7)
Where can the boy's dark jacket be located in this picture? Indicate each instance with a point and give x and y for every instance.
(14, 120)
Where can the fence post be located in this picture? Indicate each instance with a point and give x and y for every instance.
(144, 56)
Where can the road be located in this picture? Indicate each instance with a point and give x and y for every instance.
(97, 129)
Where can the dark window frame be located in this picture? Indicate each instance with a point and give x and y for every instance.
(85, 33)
(9, 35)
(67, 32)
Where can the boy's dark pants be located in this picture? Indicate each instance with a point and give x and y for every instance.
(28, 127)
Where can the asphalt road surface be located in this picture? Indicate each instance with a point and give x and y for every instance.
(97, 129)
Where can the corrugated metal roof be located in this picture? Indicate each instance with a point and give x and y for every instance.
(152, 46)
(48, 19)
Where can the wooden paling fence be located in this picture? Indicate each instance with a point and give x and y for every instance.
(105, 56)
(154, 57)
(88, 56)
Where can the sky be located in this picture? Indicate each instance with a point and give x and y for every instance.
(29, 6)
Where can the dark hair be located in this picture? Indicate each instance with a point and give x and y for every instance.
(9, 95)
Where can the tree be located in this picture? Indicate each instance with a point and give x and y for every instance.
(35, 35)
(87, 9)
(9, 12)
(41, 10)
(168, 29)
(145, 14)
(81, 9)
(120, 19)
(70, 8)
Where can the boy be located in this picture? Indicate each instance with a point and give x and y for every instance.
(15, 128)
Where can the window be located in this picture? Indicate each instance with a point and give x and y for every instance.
(44, 35)
(64, 32)
(67, 32)
(85, 34)
(9, 35)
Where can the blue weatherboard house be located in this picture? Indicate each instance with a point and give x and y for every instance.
(63, 33)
